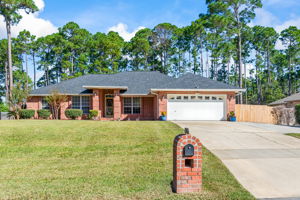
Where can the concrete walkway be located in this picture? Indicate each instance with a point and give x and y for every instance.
(265, 162)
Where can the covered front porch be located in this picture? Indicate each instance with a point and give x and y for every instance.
(113, 105)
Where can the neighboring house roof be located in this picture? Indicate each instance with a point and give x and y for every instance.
(133, 83)
(292, 98)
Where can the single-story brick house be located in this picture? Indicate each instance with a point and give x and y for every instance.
(142, 95)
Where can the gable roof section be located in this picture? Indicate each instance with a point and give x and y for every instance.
(294, 97)
(196, 82)
(133, 83)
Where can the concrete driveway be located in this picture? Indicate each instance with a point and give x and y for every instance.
(265, 162)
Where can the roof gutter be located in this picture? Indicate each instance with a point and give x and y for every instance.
(45, 95)
(201, 90)
(105, 87)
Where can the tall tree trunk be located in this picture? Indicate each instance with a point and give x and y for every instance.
(207, 64)
(240, 65)
(34, 71)
(245, 82)
(26, 64)
(9, 58)
(239, 51)
(201, 59)
(290, 76)
(228, 71)
(257, 82)
(268, 67)
(6, 82)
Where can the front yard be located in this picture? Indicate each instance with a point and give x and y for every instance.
(99, 160)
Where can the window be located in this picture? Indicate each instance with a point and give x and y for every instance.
(85, 104)
(193, 97)
(132, 105)
(207, 97)
(200, 97)
(186, 97)
(82, 103)
(45, 104)
(213, 98)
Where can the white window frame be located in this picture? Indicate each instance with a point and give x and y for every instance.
(132, 106)
(80, 103)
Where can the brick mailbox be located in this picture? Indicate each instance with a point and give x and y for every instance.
(187, 164)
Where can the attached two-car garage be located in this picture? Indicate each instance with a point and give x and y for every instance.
(196, 107)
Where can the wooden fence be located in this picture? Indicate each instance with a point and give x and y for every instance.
(254, 113)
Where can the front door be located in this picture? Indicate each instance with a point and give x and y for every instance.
(109, 106)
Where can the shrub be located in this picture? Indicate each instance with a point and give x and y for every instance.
(73, 113)
(3, 107)
(297, 113)
(26, 114)
(93, 114)
(44, 113)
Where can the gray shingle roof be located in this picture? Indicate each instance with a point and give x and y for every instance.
(137, 83)
(192, 81)
(294, 97)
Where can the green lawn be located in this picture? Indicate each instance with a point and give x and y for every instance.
(99, 160)
(296, 135)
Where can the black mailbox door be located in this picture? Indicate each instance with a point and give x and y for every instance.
(188, 150)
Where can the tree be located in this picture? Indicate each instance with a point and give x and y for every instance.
(9, 9)
(17, 100)
(290, 37)
(74, 50)
(55, 100)
(240, 12)
(139, 50)
(25, 42)
(162, 44)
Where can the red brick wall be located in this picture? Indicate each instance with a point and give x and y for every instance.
(147, 112)
(117, 105)
(187, 178)
(34, 103)
(64, 106)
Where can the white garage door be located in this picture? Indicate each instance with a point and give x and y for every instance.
(196, 107)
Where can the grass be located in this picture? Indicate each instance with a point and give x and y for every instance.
(296, 135)
(99, 160)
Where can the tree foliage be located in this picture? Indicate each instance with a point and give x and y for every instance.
(219, 45)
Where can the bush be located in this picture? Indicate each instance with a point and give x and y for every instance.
(73, 113)
(26, 114)
(93, 114)
(297, 113)
(3, 107)
(44, 114)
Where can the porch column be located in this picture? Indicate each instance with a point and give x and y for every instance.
(101, 103)
(230, 103)
(64, 106)
(117, 105)
(162, 103)
(96, 101)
